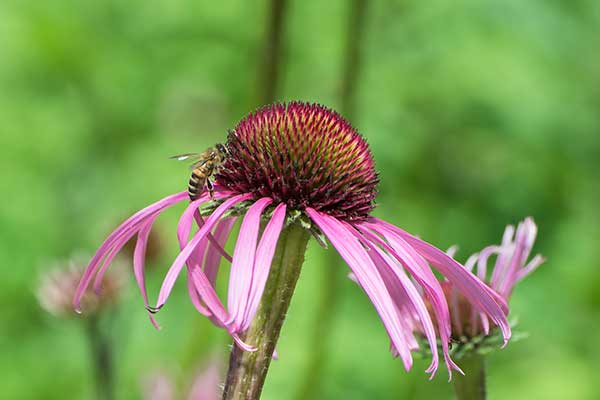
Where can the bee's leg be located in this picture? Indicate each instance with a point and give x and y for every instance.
(211, 189)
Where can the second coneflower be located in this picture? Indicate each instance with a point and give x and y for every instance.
(295, 170)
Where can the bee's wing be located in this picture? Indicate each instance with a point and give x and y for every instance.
(187, 156)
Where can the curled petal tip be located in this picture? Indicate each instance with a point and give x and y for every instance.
(242, 345)
(153, 322)
(154, 310)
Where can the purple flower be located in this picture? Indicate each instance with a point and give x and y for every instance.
(303, 164)
(511, 267)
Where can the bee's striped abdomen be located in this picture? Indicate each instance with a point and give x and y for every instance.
(195, 184)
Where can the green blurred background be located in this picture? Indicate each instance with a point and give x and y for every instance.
(479, 113)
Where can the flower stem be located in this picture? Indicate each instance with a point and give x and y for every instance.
(270, 71)
(101, 359)
(471, 386)
(248, 370)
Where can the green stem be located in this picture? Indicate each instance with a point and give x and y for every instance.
(248, 370)
(101, 358)
(320, 336)
(471, 386)
(270, 71)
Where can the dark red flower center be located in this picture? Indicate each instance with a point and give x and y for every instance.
(305, 155)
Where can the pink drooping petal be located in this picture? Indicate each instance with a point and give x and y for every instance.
(133, 221)
(368, 277)
(262, 264)
(240, 277)
(456, 313)
(504, 255)
(481, 274)
(452, 250)
(472, 288)
(214, 242)
(184, 228)
(183, 256)
(207, 293)
(470, 263)
(419, 269)
(139, 256)
(483, 259)
(213, 258)
(524, 239)
(219, 314)
(401, 289)
(195, 297)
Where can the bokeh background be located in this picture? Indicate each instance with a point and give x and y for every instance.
(479, 113)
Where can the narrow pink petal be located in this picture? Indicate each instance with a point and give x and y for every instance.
(472, 288)
(208, 294)
(183, 256)
(532, 266)
(184, 228)
(455, 311)
(139, 255)
(483, 259)
(213, 258)
(240, 277)
(195, 297)
(419, 269)
(452, 250)
(106, 246)
(504, 255)
(240, 343)
(214, 242)
(401, 288)
(262, 264)
(471, 261)
(115, 249)
(368, 277)
(524, 239)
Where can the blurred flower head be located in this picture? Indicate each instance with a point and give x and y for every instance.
(58, 286)
(302, 164)
(511, 266)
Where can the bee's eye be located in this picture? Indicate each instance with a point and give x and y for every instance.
(221, 148)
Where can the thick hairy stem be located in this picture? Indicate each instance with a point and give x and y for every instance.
(248, 370)
(471, 386)
(101, 359)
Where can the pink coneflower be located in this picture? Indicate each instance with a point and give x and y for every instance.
(59, 284)
(293, 169)
(511, 266)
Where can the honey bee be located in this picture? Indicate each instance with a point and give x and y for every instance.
(206, 165)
